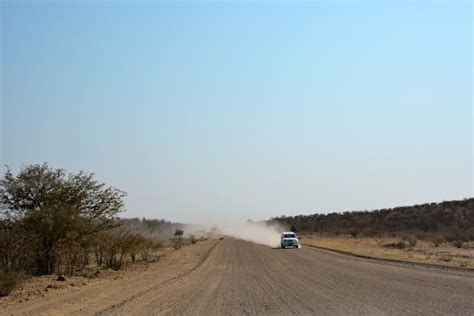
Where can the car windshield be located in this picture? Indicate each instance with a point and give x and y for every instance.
(289, 236)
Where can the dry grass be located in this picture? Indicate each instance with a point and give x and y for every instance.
(444, 254)
(41, 286)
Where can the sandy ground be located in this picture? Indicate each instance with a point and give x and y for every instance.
(236, 277)
(423, 252)
(87, 295)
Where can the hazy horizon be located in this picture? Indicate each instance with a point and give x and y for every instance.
(241, 110)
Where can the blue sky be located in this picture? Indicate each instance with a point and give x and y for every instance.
(245, 109)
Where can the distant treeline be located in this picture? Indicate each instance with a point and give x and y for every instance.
(451, 220)
(151, 228)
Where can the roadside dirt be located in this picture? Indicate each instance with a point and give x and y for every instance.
(423, 252)
(235, 277)
(86, 295)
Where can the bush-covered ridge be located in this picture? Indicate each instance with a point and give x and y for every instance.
(449, 220)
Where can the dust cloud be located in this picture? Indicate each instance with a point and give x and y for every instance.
(257, 232)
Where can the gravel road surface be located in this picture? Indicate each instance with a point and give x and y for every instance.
(241, 278)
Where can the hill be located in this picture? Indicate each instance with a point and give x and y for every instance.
(449, 220)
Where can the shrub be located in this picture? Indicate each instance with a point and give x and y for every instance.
(445, 258)
(119, 248)
(149, 250)
(412, 240)
(397, 245)
(177, 242)
(354, 233)
(101, 246)
(193, 239)
(379, 242)
(9, 281)
(437, 241)
(134, 244)
(112, 249)
(17, 248)
(178, 239)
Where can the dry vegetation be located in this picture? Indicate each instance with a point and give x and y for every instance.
(437, 233)
(93, 282)
(398, 249)
(52, 222)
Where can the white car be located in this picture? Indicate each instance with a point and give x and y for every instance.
(289, 239)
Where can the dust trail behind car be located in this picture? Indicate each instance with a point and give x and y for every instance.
(257, 232)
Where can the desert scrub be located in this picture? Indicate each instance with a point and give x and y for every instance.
(9, 281)
(445, 258)
(412, 240)
(177, 240)
(437, 241)
(458, 243)
(396, 245)
(379, 242)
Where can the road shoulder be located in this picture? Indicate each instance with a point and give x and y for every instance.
(368, 255)
(91, 296)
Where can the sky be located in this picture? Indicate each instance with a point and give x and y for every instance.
(244, 110)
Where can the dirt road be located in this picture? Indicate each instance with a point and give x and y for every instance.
(238, 277)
